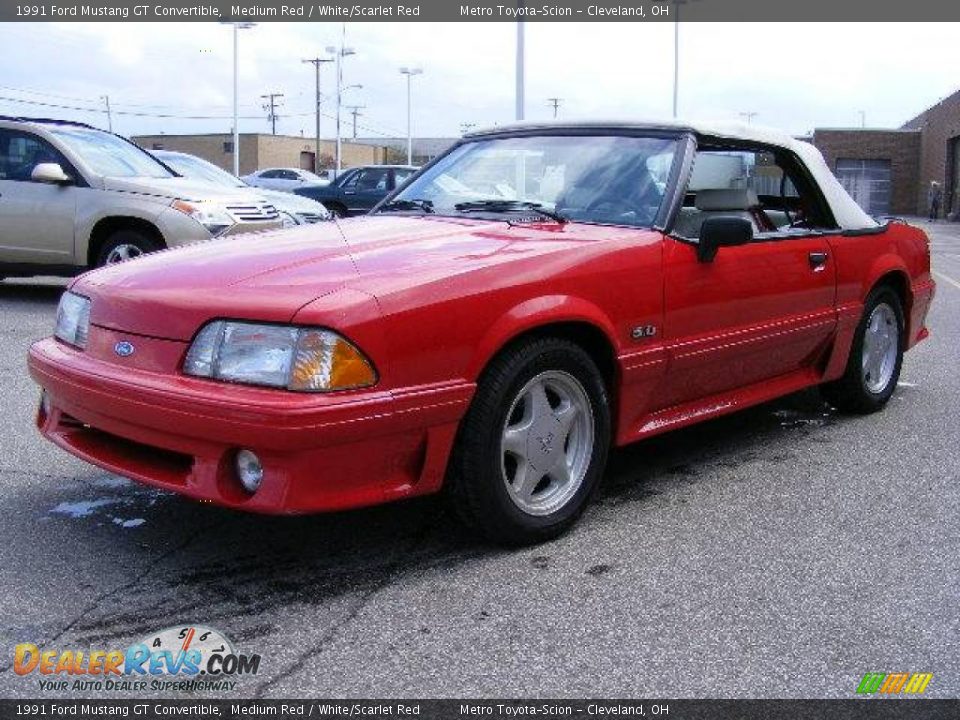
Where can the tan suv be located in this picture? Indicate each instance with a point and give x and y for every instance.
(74, 197)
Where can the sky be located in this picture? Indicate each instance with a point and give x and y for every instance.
(795, 77)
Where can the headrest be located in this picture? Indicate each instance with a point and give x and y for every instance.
(727, 199)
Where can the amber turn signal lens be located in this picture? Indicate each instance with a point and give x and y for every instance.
(325, 361)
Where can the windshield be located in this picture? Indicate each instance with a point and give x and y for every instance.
(109, 155)
(196, 169)
(602, 179)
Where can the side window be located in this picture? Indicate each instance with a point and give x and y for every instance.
(288, 175)
(759, 185)
(270, 174)
(21, 152)
(400, 176)
(372, 179)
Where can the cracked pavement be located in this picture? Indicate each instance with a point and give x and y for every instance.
(780, 552)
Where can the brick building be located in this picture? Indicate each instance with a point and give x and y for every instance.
(890, 171)
(258, 151)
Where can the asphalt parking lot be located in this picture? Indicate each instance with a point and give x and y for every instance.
(781, 552)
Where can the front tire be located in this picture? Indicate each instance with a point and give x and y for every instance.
(533, 445)
(337, 210)
(125, 245)
(876, 357)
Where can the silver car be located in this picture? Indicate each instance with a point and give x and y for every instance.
(293, 209)
(285, 179)
(74, 197)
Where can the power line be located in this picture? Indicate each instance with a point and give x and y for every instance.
(170, 116)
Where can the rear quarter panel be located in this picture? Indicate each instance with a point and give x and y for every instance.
(900, 252)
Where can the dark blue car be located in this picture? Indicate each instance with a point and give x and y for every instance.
(358, 189)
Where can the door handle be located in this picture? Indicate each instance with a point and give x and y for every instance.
(818, 261)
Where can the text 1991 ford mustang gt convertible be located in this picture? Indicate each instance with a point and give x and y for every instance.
(533, 296)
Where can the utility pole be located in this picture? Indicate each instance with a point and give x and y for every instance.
(271, 107)
(466, 127)
(554, 102)
(863, 118)
(355, 110)
(317, 62)
(748, 116)
(106, 100)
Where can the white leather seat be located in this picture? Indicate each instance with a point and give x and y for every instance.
(726, 202)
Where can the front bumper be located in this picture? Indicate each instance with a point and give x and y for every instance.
(319, 452)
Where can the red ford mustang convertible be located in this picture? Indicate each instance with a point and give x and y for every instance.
(533, 296)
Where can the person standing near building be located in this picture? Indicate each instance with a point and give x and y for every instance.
(933, 199)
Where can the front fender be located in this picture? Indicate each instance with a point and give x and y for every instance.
(535, 313)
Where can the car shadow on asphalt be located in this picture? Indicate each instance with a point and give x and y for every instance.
(31, 293)
(198, 561)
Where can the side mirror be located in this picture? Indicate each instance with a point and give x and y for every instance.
(50, 173)
(718, 232)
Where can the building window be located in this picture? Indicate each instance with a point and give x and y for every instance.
(228, 146)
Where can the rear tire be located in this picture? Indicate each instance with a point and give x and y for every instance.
(876, 357)
(532, 448)
(125, 245)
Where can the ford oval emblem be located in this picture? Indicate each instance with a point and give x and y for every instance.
(124, 349)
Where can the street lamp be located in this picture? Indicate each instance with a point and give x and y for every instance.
(409, 72)
(520, 69)
(341, 53)
(237, 27)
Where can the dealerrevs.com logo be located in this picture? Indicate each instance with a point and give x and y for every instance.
(189, 658)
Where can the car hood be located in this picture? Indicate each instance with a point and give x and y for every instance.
(177, 188)
(291, 203)
(270, 276)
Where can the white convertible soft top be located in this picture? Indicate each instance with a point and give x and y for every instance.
(846, 212)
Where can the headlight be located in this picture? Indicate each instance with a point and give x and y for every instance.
(300, 359)
(288, 220)
(213, 217)
(73, 319)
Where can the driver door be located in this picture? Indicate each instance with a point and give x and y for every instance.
(37, 220)
(756, 312)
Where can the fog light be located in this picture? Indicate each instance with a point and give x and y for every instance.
(249, 471)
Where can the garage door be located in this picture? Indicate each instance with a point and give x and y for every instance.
(868, 182)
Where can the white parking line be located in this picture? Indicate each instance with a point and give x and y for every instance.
(947, 279)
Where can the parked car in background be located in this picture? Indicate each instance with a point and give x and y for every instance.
(74, 197)
(358, 189)
(293, 209)
(284, 179)
(538, 294)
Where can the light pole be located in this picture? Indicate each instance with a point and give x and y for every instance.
(341, 53)
(676, 54)
(520, 66)
(317, 62)
(410, 72)
(237, 27)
